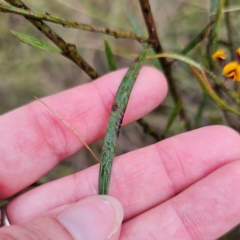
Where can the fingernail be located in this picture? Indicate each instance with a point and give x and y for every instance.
(92, 218)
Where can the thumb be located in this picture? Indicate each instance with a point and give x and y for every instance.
(97, 217)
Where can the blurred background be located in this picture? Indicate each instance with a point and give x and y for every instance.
(26, 71)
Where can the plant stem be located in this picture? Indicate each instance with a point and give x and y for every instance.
(68, 50)
(148, 129)
(70, 24)
(199, 38)
(212, 44)
(229, 31)
(154, 40)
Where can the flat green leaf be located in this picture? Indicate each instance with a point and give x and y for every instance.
(110, 57)
(35, 42)
(115, 122)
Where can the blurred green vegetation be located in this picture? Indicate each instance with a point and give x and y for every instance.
(26, 71)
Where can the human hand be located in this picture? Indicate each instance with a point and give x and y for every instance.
(185, 187)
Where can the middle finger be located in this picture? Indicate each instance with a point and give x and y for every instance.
(141, 179)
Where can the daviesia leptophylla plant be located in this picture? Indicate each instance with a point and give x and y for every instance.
(230, 70)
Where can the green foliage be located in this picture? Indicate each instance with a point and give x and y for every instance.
(35, 42)
(115, 122)
(110, 57)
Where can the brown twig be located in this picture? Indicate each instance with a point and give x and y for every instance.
(68, 50)
(70, 24)
(148, 129)
(224, 43)
(154, 40)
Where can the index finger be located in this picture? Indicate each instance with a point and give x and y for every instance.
(34, 140)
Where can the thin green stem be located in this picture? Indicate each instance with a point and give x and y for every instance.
(154, 40)
(199, 38)
(70, 24)
(195, 41)
(229, 30)
(212, 44)
(68, 50)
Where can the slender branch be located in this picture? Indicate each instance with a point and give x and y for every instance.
(68, 50)
(154, 40)
(148, 129)
(70, 24)
(224, 43)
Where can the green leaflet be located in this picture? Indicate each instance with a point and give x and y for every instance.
(115, 122)
(35, 42)
(110, 57)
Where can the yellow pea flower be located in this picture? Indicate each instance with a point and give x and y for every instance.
(219, 55)
(232, 71)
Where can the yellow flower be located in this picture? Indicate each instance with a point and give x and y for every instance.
(232, 70)
(219, 55)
